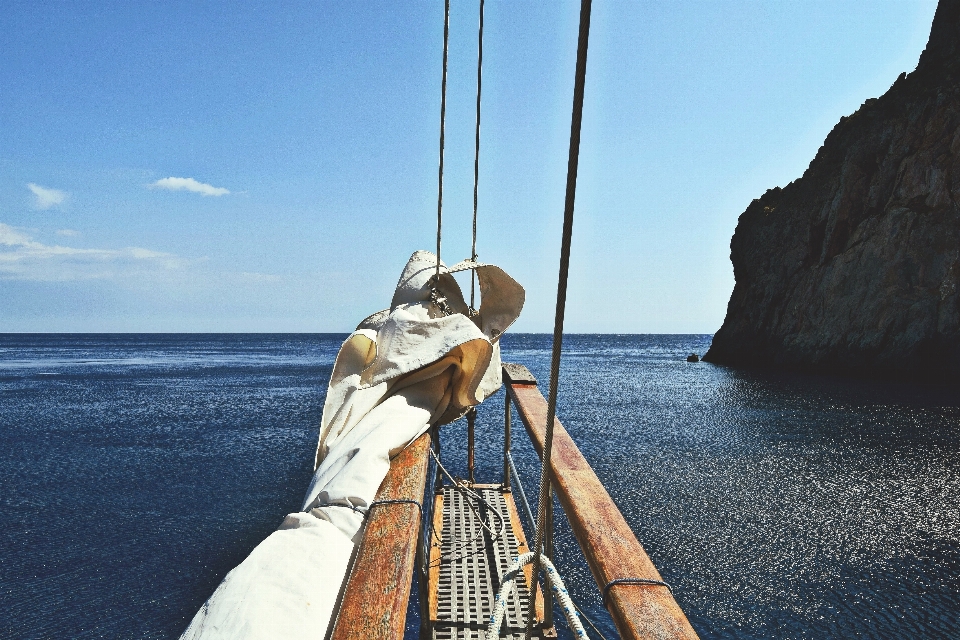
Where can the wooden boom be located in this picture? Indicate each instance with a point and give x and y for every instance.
(374, 602)
(609, 545)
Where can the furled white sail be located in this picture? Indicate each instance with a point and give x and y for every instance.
(426, 360)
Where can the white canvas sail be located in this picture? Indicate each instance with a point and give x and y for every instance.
(426, 360)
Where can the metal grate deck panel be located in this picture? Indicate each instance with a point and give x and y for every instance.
(468, 563)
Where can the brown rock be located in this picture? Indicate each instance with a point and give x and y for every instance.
(855, 266)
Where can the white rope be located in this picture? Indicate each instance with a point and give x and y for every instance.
(556, 585)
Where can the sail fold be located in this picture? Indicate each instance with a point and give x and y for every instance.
(424, 361)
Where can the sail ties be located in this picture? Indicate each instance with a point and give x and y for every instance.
(366, 512)
(634, 581)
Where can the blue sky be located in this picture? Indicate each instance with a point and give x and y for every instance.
(301, 140)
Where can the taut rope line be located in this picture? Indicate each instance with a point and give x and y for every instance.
(472, 413)
(443, 114)
(476, 155)
(572, 165)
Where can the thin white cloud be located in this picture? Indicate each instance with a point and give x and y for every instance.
(44, 198)
(69, 233)
(252, 276)
(189, 184)
(23, 258)
(11, 237)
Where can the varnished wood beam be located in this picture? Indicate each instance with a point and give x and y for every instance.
(374, 603)
(609, 545)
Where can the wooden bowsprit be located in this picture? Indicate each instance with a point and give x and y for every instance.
(639, 603)
(374, 602)
(467, 555)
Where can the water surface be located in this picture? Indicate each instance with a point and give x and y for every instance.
(138, 469)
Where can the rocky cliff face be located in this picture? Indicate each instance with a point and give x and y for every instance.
(855, 267)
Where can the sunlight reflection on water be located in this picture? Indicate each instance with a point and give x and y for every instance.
(775, 505)
(139, 469)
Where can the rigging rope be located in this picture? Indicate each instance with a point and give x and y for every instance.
(472, 413)
(534, 557)
(467, 492)
(556, 584)
(443, 113)
(476, 155)
(572, 165)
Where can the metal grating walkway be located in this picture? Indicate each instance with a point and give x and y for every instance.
(467, 563)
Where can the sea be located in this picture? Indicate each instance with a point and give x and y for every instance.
(137, 470)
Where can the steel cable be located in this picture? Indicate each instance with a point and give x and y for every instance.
(443, 114)
(572, 165)
(467, 492)
(476, 156)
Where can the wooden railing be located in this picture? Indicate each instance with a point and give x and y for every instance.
(611, 549)
(374, 601)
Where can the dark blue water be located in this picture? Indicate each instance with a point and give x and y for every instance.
(137, 470)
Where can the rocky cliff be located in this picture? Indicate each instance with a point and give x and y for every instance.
(855, 266)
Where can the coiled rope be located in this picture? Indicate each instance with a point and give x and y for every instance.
(572, 165)
(556, 585)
